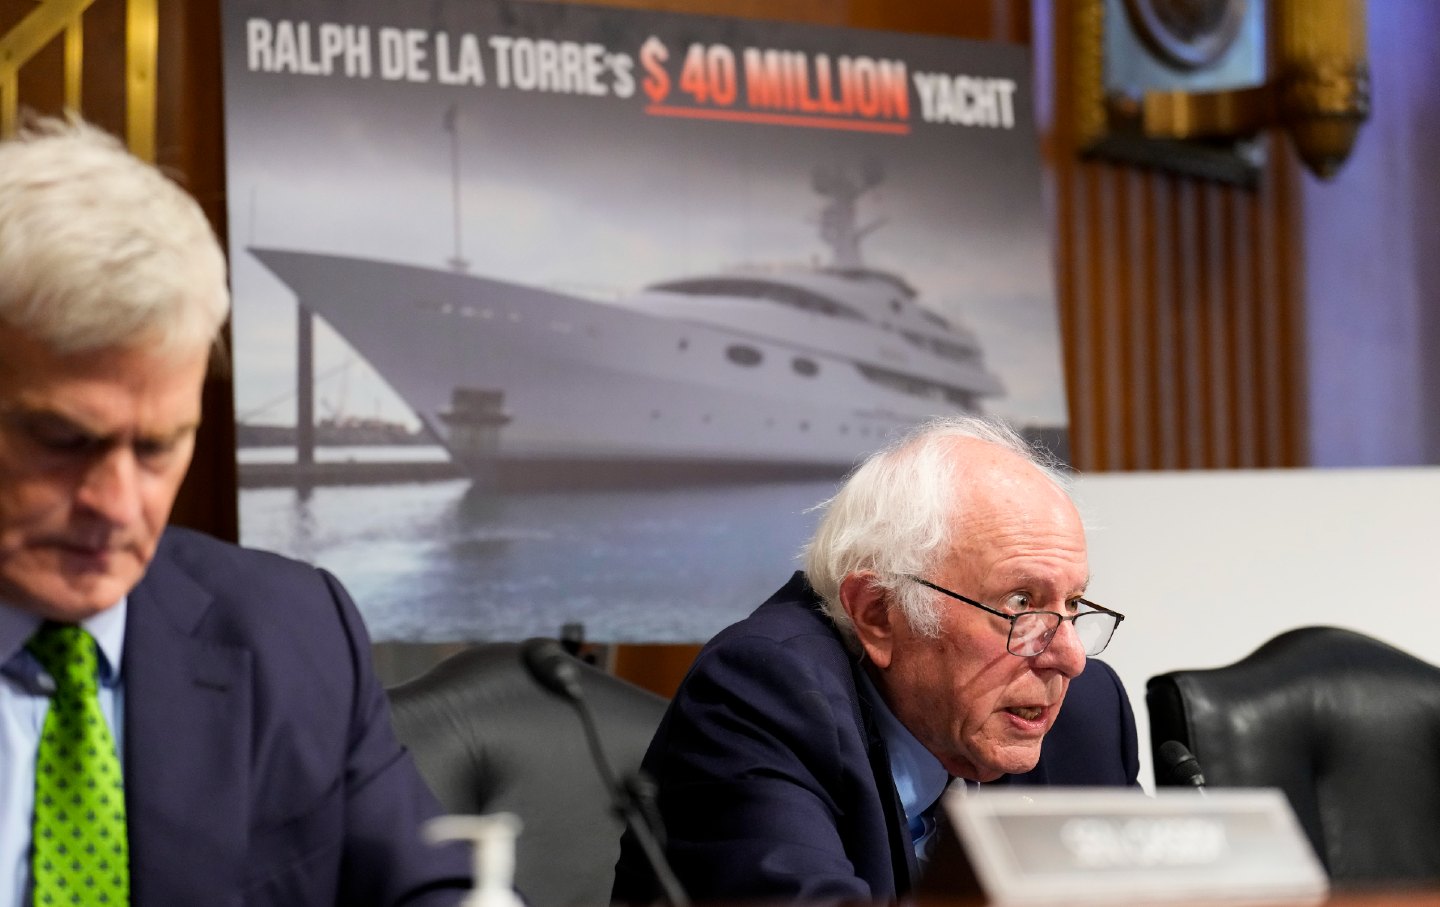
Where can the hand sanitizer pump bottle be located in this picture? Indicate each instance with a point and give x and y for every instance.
(492, 839)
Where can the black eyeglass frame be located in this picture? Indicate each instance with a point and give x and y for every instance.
(1101, 609)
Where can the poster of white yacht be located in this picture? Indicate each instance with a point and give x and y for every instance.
(639, 279)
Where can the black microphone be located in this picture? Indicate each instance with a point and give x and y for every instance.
(633, 799)
(549, 663)
(1181, 764)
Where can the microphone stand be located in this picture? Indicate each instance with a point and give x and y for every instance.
(633, 801)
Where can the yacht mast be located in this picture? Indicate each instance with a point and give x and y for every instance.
(838, 227)
(452, 125)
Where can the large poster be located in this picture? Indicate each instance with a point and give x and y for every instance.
(600, 303)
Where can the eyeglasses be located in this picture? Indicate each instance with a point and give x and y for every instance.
(1031, 631)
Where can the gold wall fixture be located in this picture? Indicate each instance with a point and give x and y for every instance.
(1324, 78)
(29, 36)
(56, 18)
(142, 40)
(1318, 90)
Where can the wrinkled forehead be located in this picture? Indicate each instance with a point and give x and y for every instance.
(989, 476)
(31, 371)
(1010, 509)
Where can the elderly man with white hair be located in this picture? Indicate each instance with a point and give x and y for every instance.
(936, 633)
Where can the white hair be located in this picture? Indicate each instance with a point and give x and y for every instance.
(99, 249)
(895, 514)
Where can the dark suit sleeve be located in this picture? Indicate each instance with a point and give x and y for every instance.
(385, 860)
(764, 781)
(260, 763)
(1129, 743)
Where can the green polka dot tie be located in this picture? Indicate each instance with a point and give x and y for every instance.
(81, 855)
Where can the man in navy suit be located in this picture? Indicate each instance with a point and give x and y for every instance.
(259, 764)
(933, 638)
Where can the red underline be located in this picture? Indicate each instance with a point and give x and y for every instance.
(777, 119)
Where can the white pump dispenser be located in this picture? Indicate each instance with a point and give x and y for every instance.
(492, 839)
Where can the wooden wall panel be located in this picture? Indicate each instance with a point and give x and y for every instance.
(1179, 300)
(190, 141)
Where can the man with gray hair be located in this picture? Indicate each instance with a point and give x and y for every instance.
(182, 721)
(934, 635)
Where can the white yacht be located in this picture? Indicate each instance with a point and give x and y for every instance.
(749, 373)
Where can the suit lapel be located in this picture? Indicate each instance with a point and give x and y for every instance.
(187, 742)
(902, 854)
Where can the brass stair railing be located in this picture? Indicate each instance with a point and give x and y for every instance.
(51, 18)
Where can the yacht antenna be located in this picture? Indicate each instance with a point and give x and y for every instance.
(452, 126)
(252, 215)
(838, 227)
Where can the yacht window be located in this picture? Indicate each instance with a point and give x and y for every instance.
(767, 290)
(805, 367)
(743, 355)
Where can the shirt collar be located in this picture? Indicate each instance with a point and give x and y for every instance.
(16, 627)
(107, 627)
(919, 777)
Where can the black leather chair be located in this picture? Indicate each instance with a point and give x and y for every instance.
(1347, 726)
(488, 738)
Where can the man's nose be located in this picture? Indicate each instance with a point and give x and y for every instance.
(111, 487)
(1066, 653)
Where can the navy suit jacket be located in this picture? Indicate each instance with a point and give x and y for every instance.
(260, 763)
(774, 783)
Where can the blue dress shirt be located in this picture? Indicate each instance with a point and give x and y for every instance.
(24, 700)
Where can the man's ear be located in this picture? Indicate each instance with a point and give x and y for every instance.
(868, 604)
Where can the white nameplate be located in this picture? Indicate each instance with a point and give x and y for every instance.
(1065, 846)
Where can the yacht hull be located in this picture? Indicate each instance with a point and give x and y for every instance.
(584, 385)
